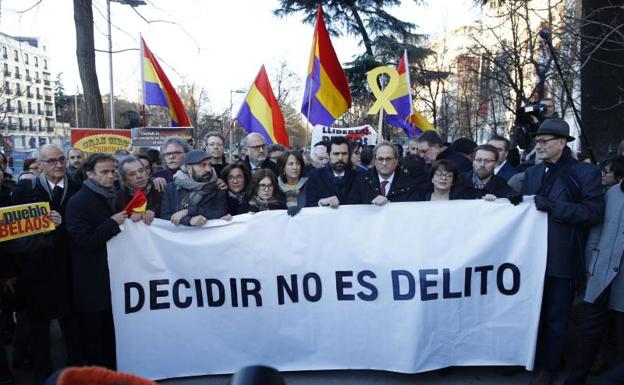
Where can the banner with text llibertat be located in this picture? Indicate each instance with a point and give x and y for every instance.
(406, 287)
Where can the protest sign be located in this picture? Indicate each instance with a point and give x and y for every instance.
(155, 136)
(363, 134)
(24, 220)
(460, 285)
(100, 140)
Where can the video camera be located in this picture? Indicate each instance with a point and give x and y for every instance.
(528, 119)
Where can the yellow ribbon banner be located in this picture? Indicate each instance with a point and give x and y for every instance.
(383, 96)
(24, 220)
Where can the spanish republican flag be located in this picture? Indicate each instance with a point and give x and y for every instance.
(261, 113)
(158, 91)
(138, 203)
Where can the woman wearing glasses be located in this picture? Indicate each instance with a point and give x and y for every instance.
(263, 193)
(447, 185)
(292, 180)
(236, 177)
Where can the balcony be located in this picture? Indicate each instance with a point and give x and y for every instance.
(18, 93)
(32, 128)
(50, 129)
(5, 56)
(49, 113)
(37, 80)
(31, 111)
(39, 96)
(29, 95)
(10, 109)
(20, 110)
(3, 126)
(8, 91)
(18, 76)
(7, 73)
(28, 79)
(12, 126)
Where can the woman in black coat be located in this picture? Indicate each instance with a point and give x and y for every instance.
(237, 178)
(446, 184)
(263, 193)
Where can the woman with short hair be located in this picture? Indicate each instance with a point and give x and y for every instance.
(237, 177)
(446, 184)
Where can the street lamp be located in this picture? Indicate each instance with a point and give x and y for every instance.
(232, 92)
(111, 102)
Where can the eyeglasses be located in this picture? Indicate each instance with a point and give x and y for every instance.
(263, 186)
(542, 142)
(52, 161)
(174, 153)
(385, 160)
(482, 160)
(233, 178)
(444, 175)
(258, 147)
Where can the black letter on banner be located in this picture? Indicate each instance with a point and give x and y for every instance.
(140, 292)
(468, 282)
(484, 272)
(199, 293)
(424, 284)
(292, 290)
(341, 285)
(220, 289)
(233, 292)
(155, 293)
(515, 275)
(246, 292)
(317, 284)
(373, 290)
(176, 294)
(396, 288)
(446, 285)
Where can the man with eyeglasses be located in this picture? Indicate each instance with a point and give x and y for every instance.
(570, 192)
(430, 147)
(330, 186)
(134, 177)
(482, 177)
(75, 158)
(257, 153)
(193, 197)
(44, 279)
(213, 145)
(385, 182)
(172, 152)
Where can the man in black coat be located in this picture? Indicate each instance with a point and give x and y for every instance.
(431, 147)
(482, 177)
(43, 276)
(257, 153)
(329, 186)
(172, 152)
(93, 217)
(503, 169)
(571, 193)
(134, 177)
(386, 182)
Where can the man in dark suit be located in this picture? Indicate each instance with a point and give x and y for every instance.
(571, 193)
(503, 168)
(482, 177)
(172, 152)
(386, 182)
(44, 270)
(257, 153)
(93, 218)
(329, 186)
(431, 147)
(134, 177)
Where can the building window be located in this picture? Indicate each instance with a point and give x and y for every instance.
(27, 74)
(25, 58)
(19, 106)
(29, 107)
(37, 75)
(6, 68)
(4, 52)
(30, 123)
(40, 125)
(17, 74)
(15, 55)
(45, 64)
(18, 89)
(39, 108)
(36, 61)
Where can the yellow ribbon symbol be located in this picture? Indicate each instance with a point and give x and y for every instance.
(383, 96)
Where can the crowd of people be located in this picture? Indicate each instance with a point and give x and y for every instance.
(63, 274)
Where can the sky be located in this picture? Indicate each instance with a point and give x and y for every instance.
(219, 45)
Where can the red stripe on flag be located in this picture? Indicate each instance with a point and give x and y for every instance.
(279, 127)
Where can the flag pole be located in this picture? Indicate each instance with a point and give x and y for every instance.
(381, 114)
(142, 67)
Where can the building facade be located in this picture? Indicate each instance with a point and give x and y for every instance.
(27, 111)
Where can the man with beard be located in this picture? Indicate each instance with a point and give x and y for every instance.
(213, 144)
(257, 153)
(93, 218)
(385, 182)
(75, 158)
(193, 197)
(482, 177)
(44, 270)
(172, 151)
(329, 186)
(134, 177)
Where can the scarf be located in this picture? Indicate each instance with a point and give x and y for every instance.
(44, 183)
(237, 197)
(260, 204)
(290, 193)
(109, 194)
(194, 191)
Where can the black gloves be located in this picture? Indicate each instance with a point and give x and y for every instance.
(515, 199)
(543, 203)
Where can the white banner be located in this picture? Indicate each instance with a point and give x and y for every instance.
(406, 287)
(364, 134)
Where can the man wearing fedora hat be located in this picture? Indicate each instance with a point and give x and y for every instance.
(570, 193)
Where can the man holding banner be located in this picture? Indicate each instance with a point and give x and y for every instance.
(43, 272)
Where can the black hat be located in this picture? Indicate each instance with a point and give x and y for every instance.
(556, 127)
(196, 157)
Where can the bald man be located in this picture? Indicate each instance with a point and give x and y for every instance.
(44, 280)
(257, 153)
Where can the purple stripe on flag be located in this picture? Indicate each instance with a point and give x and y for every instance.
(154, 95)
(250, 123)
(318, 114)
(406, 125)
(403, 106)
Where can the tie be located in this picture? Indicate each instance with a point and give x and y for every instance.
(382, 189)
(57, 195)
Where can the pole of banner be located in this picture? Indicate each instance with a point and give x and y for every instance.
(305, 137)
(76, 106)
(142, 66)
(111, 102)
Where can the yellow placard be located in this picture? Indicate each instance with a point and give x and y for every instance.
(383, 96)
(24, 220)
(102, 143)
